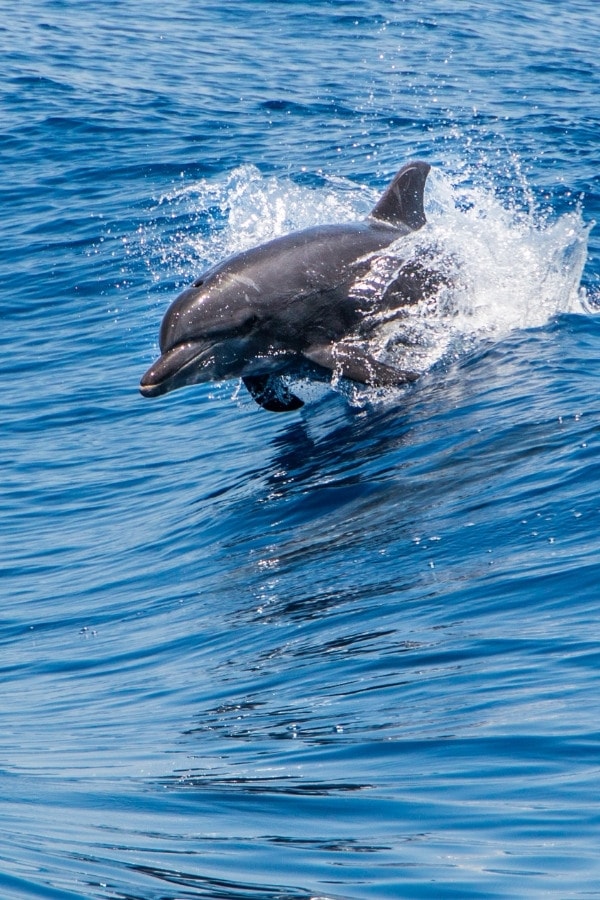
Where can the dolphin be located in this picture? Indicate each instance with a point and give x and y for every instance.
(296, 305)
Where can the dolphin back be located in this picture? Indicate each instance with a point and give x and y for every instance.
(402, 202)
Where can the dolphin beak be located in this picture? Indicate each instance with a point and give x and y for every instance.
(149, 387)
(173, 369)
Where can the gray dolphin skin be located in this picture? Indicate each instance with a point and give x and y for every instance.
(293, 306)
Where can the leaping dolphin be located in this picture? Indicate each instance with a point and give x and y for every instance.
(294, 305)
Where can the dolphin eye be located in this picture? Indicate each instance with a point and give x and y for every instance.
(198, 282)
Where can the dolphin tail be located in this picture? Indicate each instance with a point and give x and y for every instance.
(272, 393)
(402, 202)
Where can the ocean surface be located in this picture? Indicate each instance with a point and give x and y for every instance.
(346, 653)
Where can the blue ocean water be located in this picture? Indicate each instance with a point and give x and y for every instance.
(341, 654)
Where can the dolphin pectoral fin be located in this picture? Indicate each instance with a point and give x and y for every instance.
(357, 365)
(272, 393)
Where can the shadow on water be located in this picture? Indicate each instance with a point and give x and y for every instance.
(313, 454)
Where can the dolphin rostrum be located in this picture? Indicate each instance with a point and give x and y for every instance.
(295, 305)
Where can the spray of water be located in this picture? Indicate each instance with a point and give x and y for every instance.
(503, 267)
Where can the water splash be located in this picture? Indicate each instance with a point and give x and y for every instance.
(504, 269)
(505, 266)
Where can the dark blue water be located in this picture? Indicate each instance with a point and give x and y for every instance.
(348, 653)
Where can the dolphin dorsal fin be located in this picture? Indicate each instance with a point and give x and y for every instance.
(402, 202)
